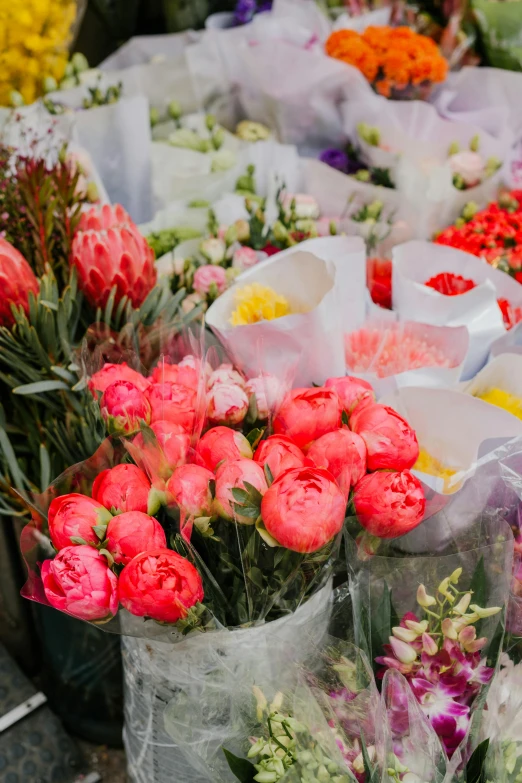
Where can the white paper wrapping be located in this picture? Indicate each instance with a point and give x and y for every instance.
(453, 341)
(503, 372)
(193, 678)
(511, 342)
(415, 262)
(141, 49)
(309, 340)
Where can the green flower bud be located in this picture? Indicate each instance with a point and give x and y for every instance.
(174, 110)
(49, 84)
(363, 175)
(475, 143)
(154, 116)
(453, 148)
(218, 138)
(280, 232)
(69, 70)
(79, 62)
(92, 192)
(68, 83)
(16, 98)
(210, 122)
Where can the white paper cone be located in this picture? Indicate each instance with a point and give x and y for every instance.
(503, 372)
(511, 342)
(312, 339)
(143, 48)
(415, 262)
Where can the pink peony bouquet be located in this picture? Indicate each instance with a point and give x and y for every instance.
(222, 499)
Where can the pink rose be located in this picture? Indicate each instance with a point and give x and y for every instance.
(351, 391)
(124, 407)
(123, 488)
(173, 402)
(110, 373)
(244, 258)
(189, 486)
(184, 375)
(268, 391)
(226, 404)
(75, 516)
(132, 533)
(225, 374)
(343, 454)
(304, 509)
(306, 414)
(78, 581)
(221, 443)
(161, 585)
(162, 455)
(208, 278)
(280, 454)
(389, 504)
(233, 475)
(390, 441)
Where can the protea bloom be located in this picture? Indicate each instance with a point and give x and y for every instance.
(16, 280)
(108, 250)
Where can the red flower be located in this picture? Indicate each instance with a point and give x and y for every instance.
(16, 280)
(511, 315)
(123, 488)
(306, 414)
(379, 281)
(390, 441)
(124, 406)
(132, 533)
(450, 284)
(387, 504)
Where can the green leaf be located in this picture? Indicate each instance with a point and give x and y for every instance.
(79, 540)
(252, 512)
(45, 467)
(100, 531)
(254, 495)
(366, 760)
(239, 495)
(475, 772)
(19, 480)
(268, 474)
(40, 386)
(254, 436)
(242, 769)
(381, 622)
(479, 584)
(344, 418)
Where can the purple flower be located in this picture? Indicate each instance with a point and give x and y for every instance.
(245, 11)
(264, 6)
(337, 159)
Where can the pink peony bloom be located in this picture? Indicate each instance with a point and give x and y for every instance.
(75, 516)
(389, 505)
(304, 509)
(389, 439)
(161, 585)
(343, 454)
(280, 454)
(110, 373)
(268, 391)
(226, 374)
(123, 488)
(78, 581)
(132, 533)
(173, 402)
(306, 414)
(160, 456)
(208, 277)
(189, 487)
(227, 404)
(244, 258)
(124, 407)
(221, 443)
(182, 374)
(17, 279)
(351, 391)
(233, 475)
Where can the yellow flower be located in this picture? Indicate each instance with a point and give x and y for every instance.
(502, 399)
(257, 302)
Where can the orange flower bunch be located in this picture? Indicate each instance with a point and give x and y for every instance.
(393, 59)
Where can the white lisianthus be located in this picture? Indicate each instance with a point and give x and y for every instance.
(469, 166)
(305, 206)
(214, 250)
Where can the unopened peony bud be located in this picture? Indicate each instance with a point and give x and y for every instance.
(423, 599)
(448, 629)
(404, 634)
(227, 404)
(124, 407)
(404, 652)
(429, 645)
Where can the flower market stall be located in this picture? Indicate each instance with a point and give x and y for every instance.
(261, 408)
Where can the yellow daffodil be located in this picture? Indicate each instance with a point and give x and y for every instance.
(502, 399)
(257, 302)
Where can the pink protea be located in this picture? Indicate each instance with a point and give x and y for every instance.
(108, 250)
(16, 280)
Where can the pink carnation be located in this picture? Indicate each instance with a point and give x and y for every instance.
(206, 276)
(244, 258)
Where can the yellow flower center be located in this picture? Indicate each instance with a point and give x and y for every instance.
(256, 303)
(502, 399)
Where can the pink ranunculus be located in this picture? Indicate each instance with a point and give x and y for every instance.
(161, 585)
(390, 441)
(205, 277)
(169, 450)
(227, 404)
(306, 414)
(124, 406)
(225, 374)
(173, 402)
(182, 374)
(75, 516)
(389, 504)
(304, 509)
(268, 391)
(244, 258)
(122, 488)
(132, 533)
(221, 443)
(110, 373)
(351, 391)
(78, 581)
(232, 475)
(189, 486)
(280, 454)
(343, 453)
